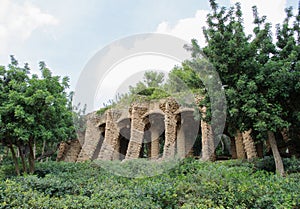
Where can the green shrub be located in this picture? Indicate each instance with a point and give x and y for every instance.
(188, 184)
(291, 165)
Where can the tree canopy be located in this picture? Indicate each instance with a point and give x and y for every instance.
(33, 109)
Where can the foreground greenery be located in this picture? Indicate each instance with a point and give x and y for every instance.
(190, 184)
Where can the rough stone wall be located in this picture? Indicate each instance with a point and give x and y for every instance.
(92, 134)
(137, 131)
(81, 136)
(249, 145)
(111, 138)
(73, 151)
(68, 151)
(170, 128)
(61, 150)
(106, 144)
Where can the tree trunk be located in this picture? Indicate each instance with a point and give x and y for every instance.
(240, 151)
(31, 157)
(276, 155)
(249, 145)
(34, 149)
(43, 149)
(22, 158)
(15, 159)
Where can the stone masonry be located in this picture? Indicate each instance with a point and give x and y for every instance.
(157, 129)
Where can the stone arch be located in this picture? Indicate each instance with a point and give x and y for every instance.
(92, 134)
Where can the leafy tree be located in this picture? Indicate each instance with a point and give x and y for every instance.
(33, 109)
(186, 75)
(229, 51)
(288, 57)
(260, 78)
(152, 79)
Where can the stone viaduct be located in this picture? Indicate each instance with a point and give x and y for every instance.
(154, 130)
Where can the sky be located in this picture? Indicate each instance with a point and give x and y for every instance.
(67, 33)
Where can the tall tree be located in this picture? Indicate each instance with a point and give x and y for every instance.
(261, 78)
(229, 51)
(33, 109)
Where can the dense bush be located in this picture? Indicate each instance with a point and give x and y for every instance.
(291, 165)
(190, 184)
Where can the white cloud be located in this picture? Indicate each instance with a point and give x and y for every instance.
(18, 21)
(187, 28)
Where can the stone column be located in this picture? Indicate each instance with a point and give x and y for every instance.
(116, 154)
(61, 151)
(73, 151)
(111, 137)
(136, 133)
(240, 151)
(154, 147)
(156, 130)
(208, 145)
(170, 128)
(249, 145)
(92, 135)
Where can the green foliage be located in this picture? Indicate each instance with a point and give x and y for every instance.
(79, 118)
(33, 109)
(103, 109)
(260, 74)
(190, 184)
(152, 79)
(151, 88)
(292, 165)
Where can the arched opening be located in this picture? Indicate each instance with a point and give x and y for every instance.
(124, 137)
(100, 142)
(188, 132)
(153, 142)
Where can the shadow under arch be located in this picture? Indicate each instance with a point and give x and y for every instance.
(154, 134)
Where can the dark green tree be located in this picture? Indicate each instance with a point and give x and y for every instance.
(260, 78)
